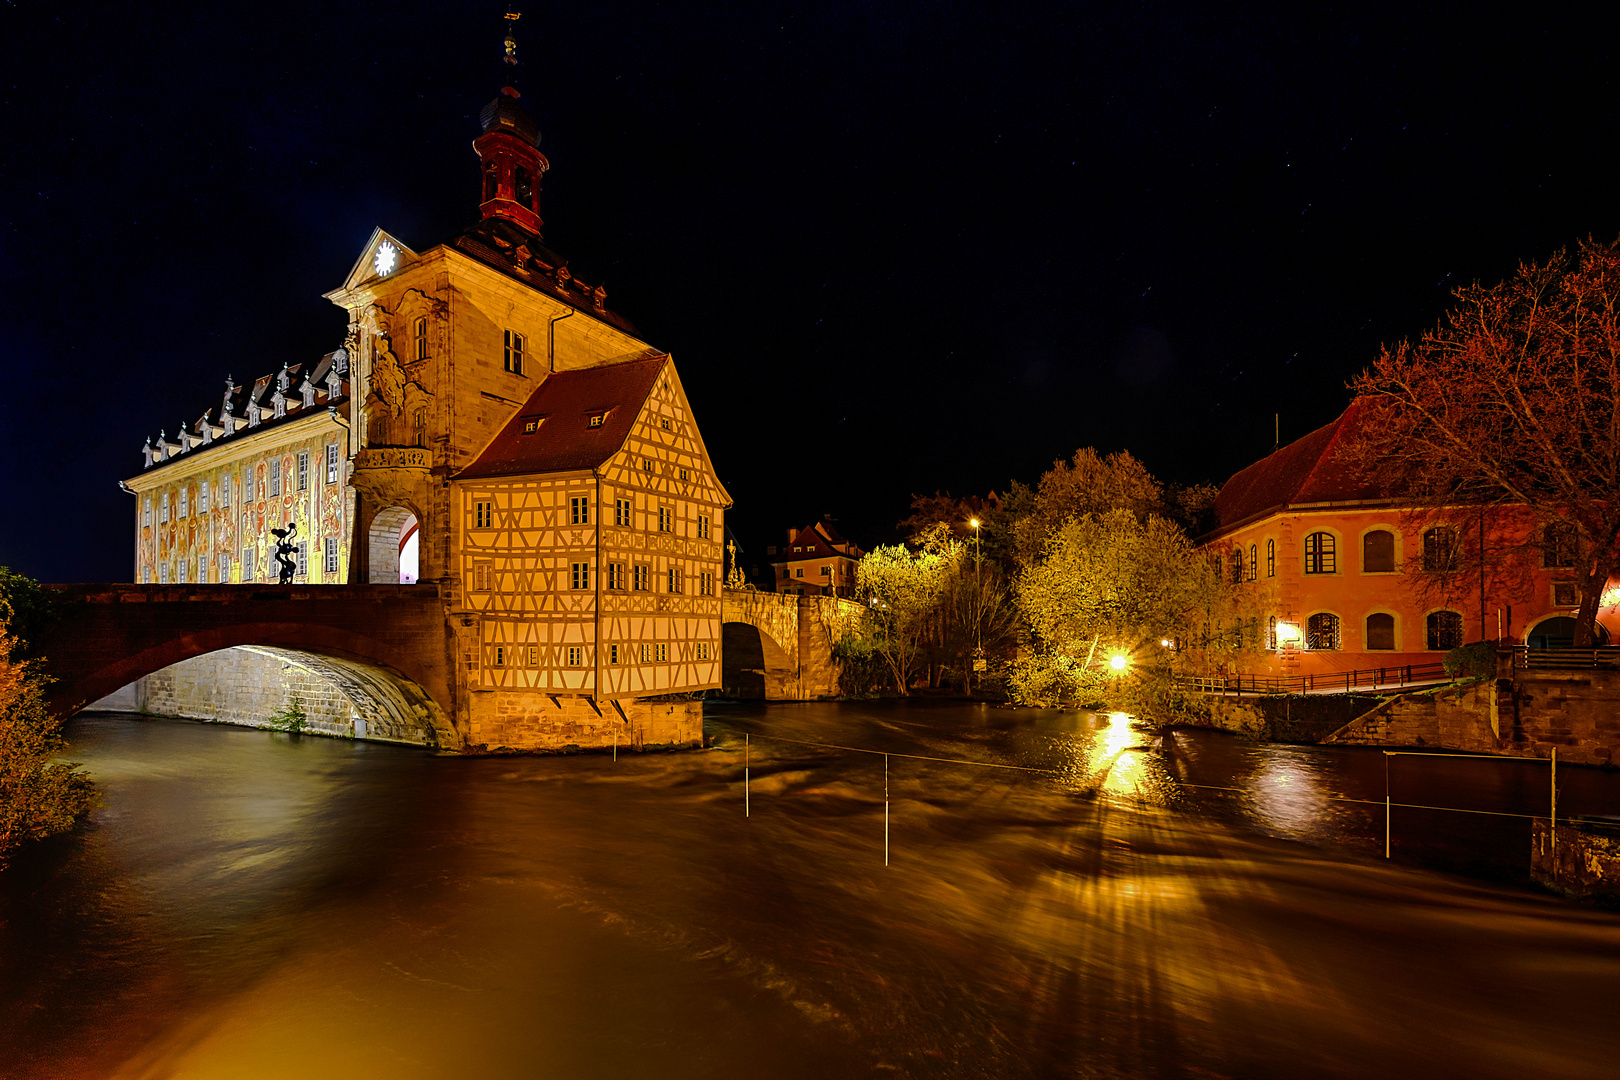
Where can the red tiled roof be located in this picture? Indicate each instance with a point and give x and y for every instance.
(1307, 470)
(564, 404)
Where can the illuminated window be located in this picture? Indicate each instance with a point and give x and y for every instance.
(184, 510)
(579, 575)
(615, 575)
(666, 519)
(1380, 632)
(514, 352)
(661, 653)
(146, 511)
(224, 569)
(638, 578)
(163, 574)
(1254, 562)
(1445, 630)
(676, 580)
(579, 510)
(303, 558)
(331, 463)
(706, 583)
(202, 569)
(331, 555)
(1440, 549)
(482, 572)
(421, 338)
(275, 478)
(621, 512)
(247, 564)
(1322, 631)
(1320, 555)
(1271, 631)
(576, 655)
(531, 424)
(1559, 545)
(202, 497)
(483, 515)
(703, 650)
(597, 419)
(303, 471)
(703, 527)
(1378, 553)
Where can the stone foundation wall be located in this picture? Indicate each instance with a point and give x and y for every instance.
(521, 720)
(239, 686)
(1578, 864)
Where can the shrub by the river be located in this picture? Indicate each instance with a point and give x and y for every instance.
(1476, 661)
(38, 795)
(291, 718)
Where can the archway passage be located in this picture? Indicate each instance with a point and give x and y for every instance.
(1558, 632)
(742, 663)
(392, 547)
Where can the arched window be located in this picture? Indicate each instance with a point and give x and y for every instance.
(1322, 631)
(1271, 558)
(1271, 632)
(1445, 630)
(1218, 565)
(1380, 631)
(1237, 565)
(491, 183)
(1560, 543)
(1320, 555)
(525, 188)
(1254, 562)
(1440, 549)
(1378, 552)
(421, 338)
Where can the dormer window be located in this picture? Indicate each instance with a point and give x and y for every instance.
(531, 424)
(597, 419)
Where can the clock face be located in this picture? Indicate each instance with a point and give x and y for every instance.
(386, 258)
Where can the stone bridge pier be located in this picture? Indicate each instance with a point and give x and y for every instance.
(779, 647)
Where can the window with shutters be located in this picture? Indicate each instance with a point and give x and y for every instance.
(1378, 552)
(1380, 632)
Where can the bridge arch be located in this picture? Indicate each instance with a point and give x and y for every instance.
(754, 666)
(393, 548)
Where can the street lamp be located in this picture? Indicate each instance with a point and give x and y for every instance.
(1118, 662)
(978, 597)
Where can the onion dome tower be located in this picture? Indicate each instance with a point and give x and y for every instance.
(509, 150)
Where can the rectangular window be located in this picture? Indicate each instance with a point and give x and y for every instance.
(621, 512)
(826, 571)
(224, 569)
(613, 654)
(331, 555)
(683, 476)
(483, 515)
(646, 466)
(146, 512)
(799, 572)
(275, 478)
(185, 510)
(534, 656)
(706, 583)
(703, 527)
(202, 569)
(646, 653)
(303, 557)
(146, 575)
(331, 463)
(303, 470)
(202, 498)
(421, 338)
(500, 656)
(482, 572)
(163, 509)
(247, 564)
(615, 575)
(576, 655)
(579, 510)
(181, 568)
(1566, 594)
(703, 650)
(638, 576)
(676, 582)
(666, 519)
(531, 424)
(663, 422)
(1320, 554)
(163, 574)
(579, 575)
(514, 352)
(597, 419)
(661, 653)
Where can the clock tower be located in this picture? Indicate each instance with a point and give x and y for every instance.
(509, 149)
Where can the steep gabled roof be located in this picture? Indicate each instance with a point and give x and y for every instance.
(563, 405)
(1307, 470)
(816, 539)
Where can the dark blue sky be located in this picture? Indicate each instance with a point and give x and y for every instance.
(894, 248)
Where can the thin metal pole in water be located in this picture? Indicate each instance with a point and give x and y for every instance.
(1386, 804)
(748, 811)
(885, 809)
(1552, 826)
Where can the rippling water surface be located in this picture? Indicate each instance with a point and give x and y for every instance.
(1102, 904)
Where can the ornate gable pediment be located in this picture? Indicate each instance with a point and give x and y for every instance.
(382, 257)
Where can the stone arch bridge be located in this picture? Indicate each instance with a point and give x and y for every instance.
(779, 647)
(388, 649)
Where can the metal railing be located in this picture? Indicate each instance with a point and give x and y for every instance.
(1596, 657)
(1329, 682)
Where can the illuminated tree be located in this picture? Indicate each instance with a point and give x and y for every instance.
(1513, 400)
(902, 590)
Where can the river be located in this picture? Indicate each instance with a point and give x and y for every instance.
(249, 904)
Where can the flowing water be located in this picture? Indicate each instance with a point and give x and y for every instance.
(248, 904)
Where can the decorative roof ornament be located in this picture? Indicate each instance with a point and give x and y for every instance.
(147, 453)
(307, 388)
(205, 429)
(284, 380)
(340, 361)
(252, 411)
(185, 438)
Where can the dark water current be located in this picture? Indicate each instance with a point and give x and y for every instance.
(248, 904)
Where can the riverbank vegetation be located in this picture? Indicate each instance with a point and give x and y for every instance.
(1086, 589)
(39, 795)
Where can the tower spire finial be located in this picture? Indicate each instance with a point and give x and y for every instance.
(509, 48)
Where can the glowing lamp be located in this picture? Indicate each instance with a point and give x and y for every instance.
(1287, 632)
(1165, 642)
(973, 523)
(1117, 663)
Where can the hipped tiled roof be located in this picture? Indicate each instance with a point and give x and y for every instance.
(563, 404)
(1307, 470)
(515, 251)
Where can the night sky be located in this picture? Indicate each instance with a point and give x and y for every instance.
(893, 248)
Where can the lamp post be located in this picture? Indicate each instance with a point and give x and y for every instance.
(978, 598)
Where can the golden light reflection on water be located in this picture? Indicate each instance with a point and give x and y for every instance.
(1287, 796)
